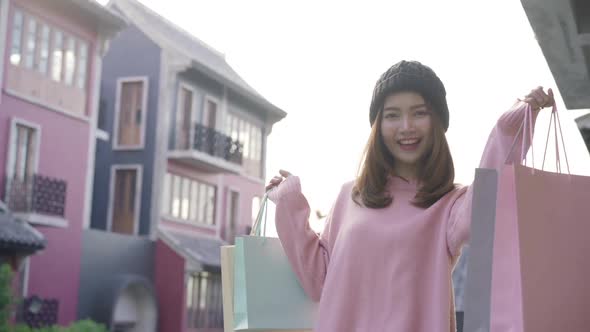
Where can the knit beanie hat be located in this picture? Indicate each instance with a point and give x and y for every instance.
(411, 76)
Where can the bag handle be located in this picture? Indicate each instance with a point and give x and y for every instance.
(526, 130)
(554, 119)
(261, 212)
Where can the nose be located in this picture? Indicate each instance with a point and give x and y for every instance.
(407, 122)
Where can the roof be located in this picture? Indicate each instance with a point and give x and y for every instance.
(202, 251)
(562, 30)
(204, 58)
(18, 235)
(583, 122)
(111, 22)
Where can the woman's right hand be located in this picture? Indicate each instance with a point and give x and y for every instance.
(275, 181)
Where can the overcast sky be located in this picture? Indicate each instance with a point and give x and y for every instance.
(319, 60)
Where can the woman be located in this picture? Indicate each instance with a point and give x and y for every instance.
(384, 260)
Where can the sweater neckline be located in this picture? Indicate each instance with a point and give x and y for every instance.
(398, 183)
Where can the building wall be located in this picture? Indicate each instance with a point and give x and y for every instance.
(170, 289)
(63, 154)
(203, 87)
(106, 255)
(247, 188)
(131, 54)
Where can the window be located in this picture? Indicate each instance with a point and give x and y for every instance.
(124, 200)
(186, 187)
(258, 140)
(44, 50)
(204, 300)
(249, 135)
(39, 46)
(189, 200)
(245, 133)
(210, 114)
(130, 113)
(176, 194)
(70, 61)
(209, 205)
(184, 118)
(82, 65)
(23, 152)
(194, 203)
(231, 127)
(30, 43)
(166, 195)
(57, 58)
(17, 35)
(234, 204)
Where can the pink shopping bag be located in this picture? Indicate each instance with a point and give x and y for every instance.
(540, 225)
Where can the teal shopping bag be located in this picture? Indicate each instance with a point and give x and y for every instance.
(267, 294)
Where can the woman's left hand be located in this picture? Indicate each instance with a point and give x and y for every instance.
(538, 99)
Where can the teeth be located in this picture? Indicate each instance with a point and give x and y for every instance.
(408, 141)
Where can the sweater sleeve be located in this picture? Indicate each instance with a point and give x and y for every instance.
(307, 251)
(495, 155)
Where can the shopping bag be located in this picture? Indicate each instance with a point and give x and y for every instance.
(528, 268)
(227, 287)
(267, 294)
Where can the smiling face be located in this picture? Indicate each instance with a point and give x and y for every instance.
(406, 130)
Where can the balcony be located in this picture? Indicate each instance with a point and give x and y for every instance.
(37, 199)
(208, 149)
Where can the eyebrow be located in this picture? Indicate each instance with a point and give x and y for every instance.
(414, 107)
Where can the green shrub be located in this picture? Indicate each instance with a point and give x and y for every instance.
(85, 326)
(6, 298)
(7, 301)
(79, 326)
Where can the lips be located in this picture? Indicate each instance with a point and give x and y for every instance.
(409, 144)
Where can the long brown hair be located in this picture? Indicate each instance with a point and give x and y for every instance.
(435, 173)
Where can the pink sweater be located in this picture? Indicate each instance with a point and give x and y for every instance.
(384, 269)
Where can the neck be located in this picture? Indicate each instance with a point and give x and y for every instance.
(406, 172)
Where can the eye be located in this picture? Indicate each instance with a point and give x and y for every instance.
(391, 115)
(422, 113)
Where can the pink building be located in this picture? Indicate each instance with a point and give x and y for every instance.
(48, 112)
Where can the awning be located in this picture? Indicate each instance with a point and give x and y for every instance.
(17, 235)
(200, 250)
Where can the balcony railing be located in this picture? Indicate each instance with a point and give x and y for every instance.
(217, 144)
(36, 194)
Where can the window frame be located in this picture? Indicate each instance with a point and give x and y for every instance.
(120, 81)
(167, 210)
(206, 99)
(193, 114)
(137, 204)
(228, 215)
(20, 36)
(39, 43)
(211, 295)
(69, 78)
(26, 53)
(236, 123)
(43, 43)
(81, 76)
(12, 141)
(52, 60)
